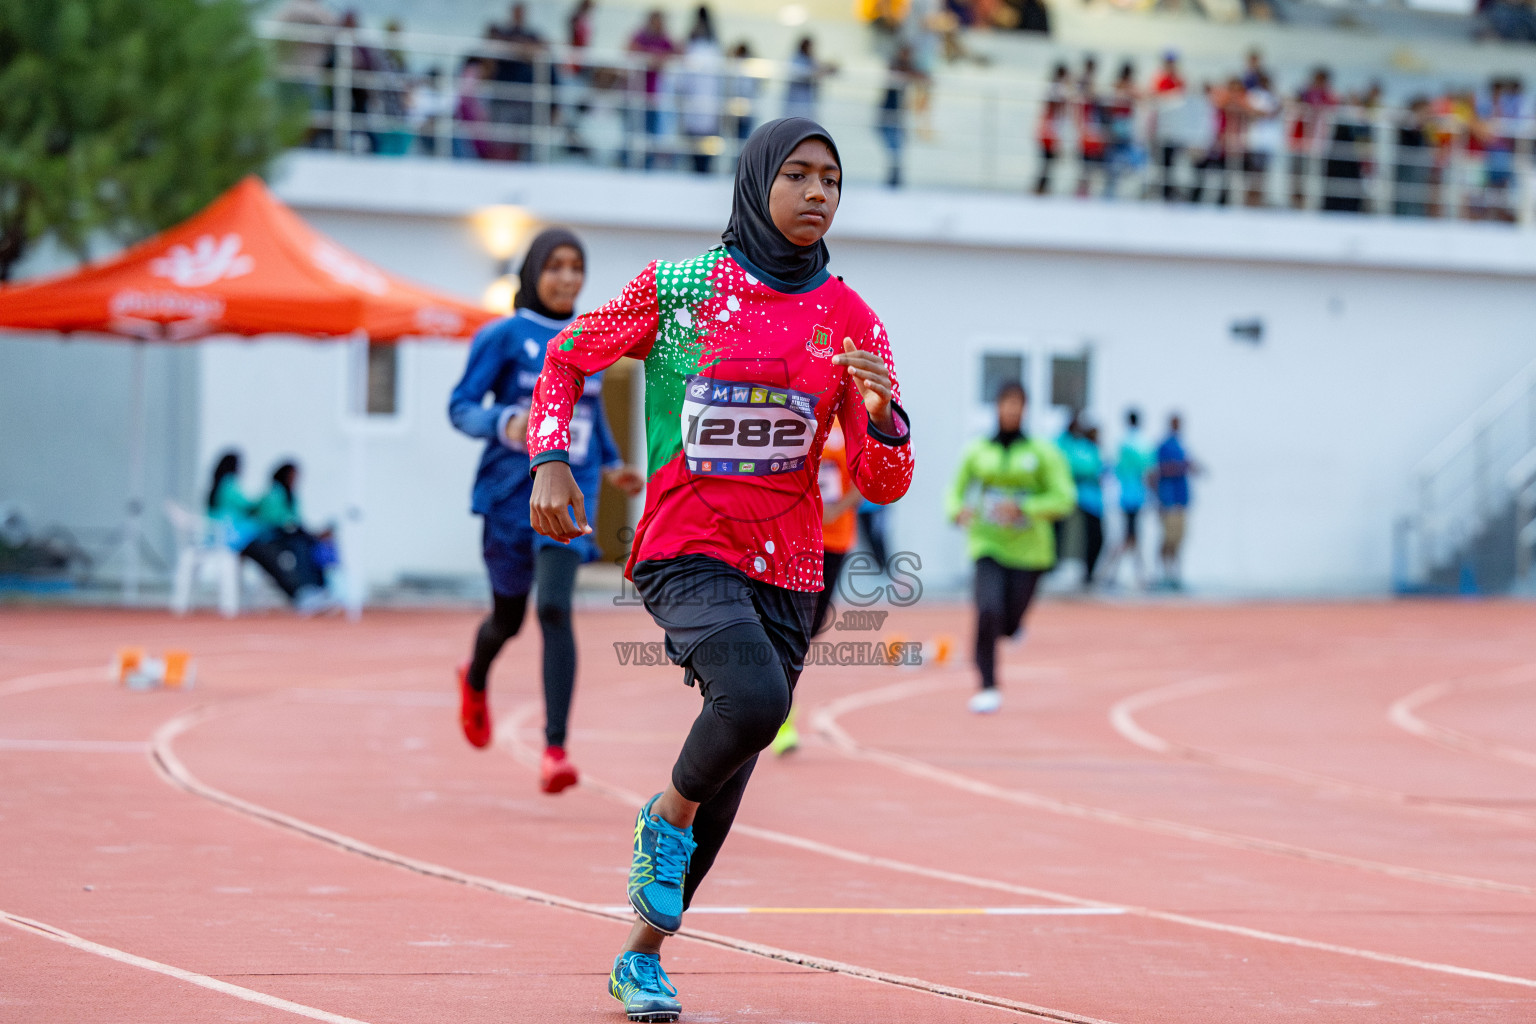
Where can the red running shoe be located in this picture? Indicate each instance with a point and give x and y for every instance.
(474, 715)
(555, 772)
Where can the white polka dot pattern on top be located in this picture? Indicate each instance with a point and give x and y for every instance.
(707, 317)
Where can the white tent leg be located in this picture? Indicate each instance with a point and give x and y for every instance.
(133, 527)
(354, 563)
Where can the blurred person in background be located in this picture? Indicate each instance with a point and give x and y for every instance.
(1414, 174)
(1224, 156)
(1051, 124)
(1501, 115)
(228, 505)
(504, 362)
(1091, 142)
(1008, 490)
(1173, 469)
(806, 71)
(701, 91)
(891, 120)
(1314, 105)
(523, 66)
(1347, 160)
(1133, 464)
(1081, 449)
(1266, 134)
(741, 95)
(471, 111)
(364, 62)
(1255, 71)
(1124, 155)
(653, 43)
(839, 530)
(293, 556)
(305, 58)
(579, 25)
(427, 103)
(1168, 141)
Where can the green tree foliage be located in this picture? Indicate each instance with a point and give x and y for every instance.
(127, 116)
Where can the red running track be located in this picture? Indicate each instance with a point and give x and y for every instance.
(1184, 813)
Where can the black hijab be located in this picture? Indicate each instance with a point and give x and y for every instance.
(751, 230)
(544, 245)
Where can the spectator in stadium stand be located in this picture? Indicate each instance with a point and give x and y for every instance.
(1029, 16)
(701, 91)
(653, 42)
(1123, 154)
(304, 60)
(1090, 127)
(1227, 141)
(426, 104)
(1347, 157)
(1167, 91)
(579, 25)
(471, 111)
(1053, 118)
(891, 120)
(1499, 114)
(1255, 71)
(523, 65)
(805, 75)
(1265, 135)
(1314, 104)
(741, 94)
(1414, 172)
(363, 62)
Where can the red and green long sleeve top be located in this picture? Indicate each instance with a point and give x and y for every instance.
(740, 393)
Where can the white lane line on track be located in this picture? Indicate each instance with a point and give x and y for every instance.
(824, 720)
(170, 767)
(75, 746)
(1403, 714)
(48, 931)
(56, 677)
(908, 911)
(527, 756)
(1122, 715)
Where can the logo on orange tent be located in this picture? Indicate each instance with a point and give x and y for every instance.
(210, 259)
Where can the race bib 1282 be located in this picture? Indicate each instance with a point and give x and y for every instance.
(741, 429)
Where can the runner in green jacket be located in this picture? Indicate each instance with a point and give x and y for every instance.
(1008, 490)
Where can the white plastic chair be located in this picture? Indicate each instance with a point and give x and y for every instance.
(201, 545)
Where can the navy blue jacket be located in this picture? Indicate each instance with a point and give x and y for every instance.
(505, 360)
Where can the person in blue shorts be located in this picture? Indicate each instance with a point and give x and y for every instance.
(505, 361)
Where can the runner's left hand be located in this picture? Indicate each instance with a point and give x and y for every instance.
(873, 381)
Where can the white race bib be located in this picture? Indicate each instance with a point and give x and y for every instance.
(740, 429)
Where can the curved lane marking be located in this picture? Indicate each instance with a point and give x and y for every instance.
(825, 721)
(56, 677)
(171, 768)
(527, 756)
(48, 931)
(1403, 714)
(1122, 715)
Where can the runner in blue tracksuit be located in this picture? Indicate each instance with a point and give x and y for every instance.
(505, 360)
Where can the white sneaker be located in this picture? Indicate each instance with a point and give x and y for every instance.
(987, 702)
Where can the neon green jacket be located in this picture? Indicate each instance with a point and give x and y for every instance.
(1030, 475)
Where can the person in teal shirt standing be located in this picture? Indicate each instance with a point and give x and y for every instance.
(1132, 465)
(1080, 444)
(1009, 489)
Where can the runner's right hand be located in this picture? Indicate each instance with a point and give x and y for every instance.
(555, 494)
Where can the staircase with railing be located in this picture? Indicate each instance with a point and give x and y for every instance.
(1474, 526)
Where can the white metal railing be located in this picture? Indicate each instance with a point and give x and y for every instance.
(455, 97)
(1472, 477)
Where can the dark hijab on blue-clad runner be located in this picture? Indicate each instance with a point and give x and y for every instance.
(751, 229)
(543, 247)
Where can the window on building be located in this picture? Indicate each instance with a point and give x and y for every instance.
(382, 384)
(1069, 382)
(997, 369)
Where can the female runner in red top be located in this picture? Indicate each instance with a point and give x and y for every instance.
(751, 351)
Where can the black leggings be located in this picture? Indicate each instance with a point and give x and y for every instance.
(747, 690)
(554, 575)
(1002, 597)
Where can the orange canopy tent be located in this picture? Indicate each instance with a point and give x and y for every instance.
(247, 265)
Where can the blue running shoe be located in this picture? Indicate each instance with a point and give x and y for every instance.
(643, 987)
(657, 869)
